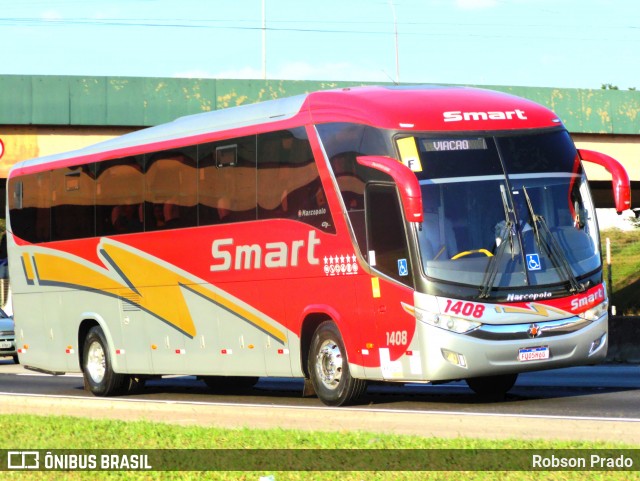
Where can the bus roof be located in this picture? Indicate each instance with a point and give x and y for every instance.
(428, 108)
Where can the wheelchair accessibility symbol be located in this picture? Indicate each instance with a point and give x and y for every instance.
(403, 270)
(533, 262)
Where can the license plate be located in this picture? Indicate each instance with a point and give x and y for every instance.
(533, 353)
(5, 345)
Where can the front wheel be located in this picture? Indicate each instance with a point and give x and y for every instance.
(97, 370)
(329, 369)
(492, 387)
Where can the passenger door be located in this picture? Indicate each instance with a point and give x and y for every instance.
(388, 253)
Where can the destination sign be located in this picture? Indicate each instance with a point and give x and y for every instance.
(444, 145)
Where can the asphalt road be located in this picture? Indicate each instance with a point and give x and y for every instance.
(585, 403)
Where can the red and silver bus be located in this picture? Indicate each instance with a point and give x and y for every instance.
(392, 234)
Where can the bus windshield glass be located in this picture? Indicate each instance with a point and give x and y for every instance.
(505, 211)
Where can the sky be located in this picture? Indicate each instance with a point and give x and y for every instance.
(537, 43)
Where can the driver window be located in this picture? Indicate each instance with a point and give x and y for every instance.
(386, 237)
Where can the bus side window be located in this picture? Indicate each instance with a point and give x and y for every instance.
(72, 202)
(350, 184)
(30, 207)
(227, 181)
(274, 166)
(386, 238)
(119, 196)
(289, 184)
(170, 189)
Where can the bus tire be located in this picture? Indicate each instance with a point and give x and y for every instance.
(492, 387)
(329, 370)
(97, 370)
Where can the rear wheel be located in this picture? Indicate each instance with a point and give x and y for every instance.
(97, 369)
(15, 359)
(329, 369)
(492, 387)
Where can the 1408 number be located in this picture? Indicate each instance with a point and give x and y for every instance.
(464, 308)
(397, 338)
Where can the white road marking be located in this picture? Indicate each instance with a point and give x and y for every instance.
(328, 408)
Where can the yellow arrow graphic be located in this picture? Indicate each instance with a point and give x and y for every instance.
(164, 299)
(156, 288)
(534, 310)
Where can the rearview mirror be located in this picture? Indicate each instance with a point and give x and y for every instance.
(620, 178)
(405, 179)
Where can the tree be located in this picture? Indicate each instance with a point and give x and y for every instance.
(613, 87)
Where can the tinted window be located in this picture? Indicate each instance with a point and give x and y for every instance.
(227, 181)
(343, 142)
(119, 196)
(29, 207)
(288, 181)
(72, 203)
(552, 152)
(387, 246)
(170, 189)
(210, 183)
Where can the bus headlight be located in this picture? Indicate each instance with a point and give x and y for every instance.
(448, 323)
(596, 312)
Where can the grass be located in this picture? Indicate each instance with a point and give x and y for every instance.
(24, 432)
(625, 269)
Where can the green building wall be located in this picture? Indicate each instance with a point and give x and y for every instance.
(140, 102)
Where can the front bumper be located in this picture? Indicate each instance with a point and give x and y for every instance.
(494, 350)
(7, 345)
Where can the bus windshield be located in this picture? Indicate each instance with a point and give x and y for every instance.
(505, 211)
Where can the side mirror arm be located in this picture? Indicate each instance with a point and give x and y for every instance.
(620, 178)
(405, 179)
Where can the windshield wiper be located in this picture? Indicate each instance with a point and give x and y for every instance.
(549, 243)
(492, 266)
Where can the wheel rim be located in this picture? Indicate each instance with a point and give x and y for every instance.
(96, 362)
(329, 364)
